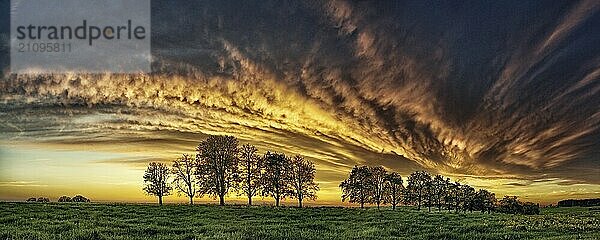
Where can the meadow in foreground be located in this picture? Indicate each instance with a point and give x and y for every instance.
(138, 221)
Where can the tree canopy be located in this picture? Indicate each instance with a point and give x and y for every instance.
(301, 174)
(217, 169)
(358, 187)
(184, 181)
(275, 180)
(155, 180)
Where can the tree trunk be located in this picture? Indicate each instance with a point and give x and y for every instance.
(248, 186)
(276, 201)
(377, 205)
(429, 204)
(160, 200)
(362, 205)
(394, 206)
(221, 200)
(300, 202)
(192, 193)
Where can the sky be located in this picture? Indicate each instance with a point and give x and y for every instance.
(502, 95)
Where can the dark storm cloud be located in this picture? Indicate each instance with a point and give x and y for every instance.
(505, 88)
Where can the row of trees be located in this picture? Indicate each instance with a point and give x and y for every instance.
(375, 185)
(220, 167)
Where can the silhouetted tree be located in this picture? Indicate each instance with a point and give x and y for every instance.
(274, 180)
(485, 200)
(217, 169)
(357, 188)
(393, 189)
(155, 180)
(32, 199)
(80, 198)
(43, 199)
(453, 198)
(439, 190)
(64, 199)
(251, 167)
(530, 208)
(467, 198)
(378, 177)
(511, 204)
(184, 180)
(418, 187)
(301, 174)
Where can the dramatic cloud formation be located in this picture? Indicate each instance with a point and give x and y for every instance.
(504, 94)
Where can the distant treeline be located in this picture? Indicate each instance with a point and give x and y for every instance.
(579, 202)
(77, 198)
(221, 167)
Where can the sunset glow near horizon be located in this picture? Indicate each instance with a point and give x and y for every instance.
(509, 104)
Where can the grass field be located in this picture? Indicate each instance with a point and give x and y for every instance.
(136, 221)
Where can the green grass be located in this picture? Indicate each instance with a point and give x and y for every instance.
(137, 221)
